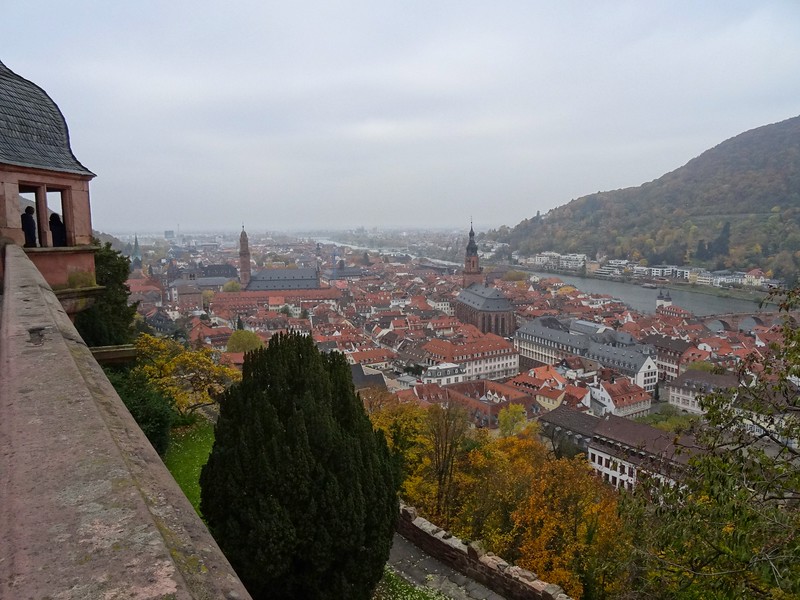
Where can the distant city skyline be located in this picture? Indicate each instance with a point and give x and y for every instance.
(292, 117)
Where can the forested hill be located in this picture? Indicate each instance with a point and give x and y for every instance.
(751, 182)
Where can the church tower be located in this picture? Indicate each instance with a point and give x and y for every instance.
(473, 273)
(137, 253)
(244, 259)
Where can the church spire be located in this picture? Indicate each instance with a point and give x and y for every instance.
(244, 259)
(473, 273)
(472, 246)
(137, 253)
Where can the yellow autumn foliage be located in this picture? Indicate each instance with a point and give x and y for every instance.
(569, 529)
(547, 515)
(191, 378)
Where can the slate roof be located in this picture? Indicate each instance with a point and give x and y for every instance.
(622, 359)
(623, 437)
(539, 328)
(585, 327)
(222, 270)
(703, 382)
(284, 279)
(363, 380)
(344, 273)
(667, 343)
(571, 420)
(201, 282)
(626, 358)
(484, 298)
(33, 132)
(472, 247)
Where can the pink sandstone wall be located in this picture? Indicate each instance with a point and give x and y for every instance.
(492, 571)
(87, 508)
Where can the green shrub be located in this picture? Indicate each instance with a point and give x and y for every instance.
(151, 410)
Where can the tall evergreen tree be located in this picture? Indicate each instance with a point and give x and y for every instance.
(299, 491)
(109, 322)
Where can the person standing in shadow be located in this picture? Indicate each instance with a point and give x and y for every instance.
(58, 231)
(29, 227)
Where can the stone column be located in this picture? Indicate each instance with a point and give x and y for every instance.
(10, 223)
(77, 214)
(42, 222)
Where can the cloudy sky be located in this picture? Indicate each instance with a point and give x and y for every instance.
(298, 115)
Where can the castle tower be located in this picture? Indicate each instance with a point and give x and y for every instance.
(244, 259)
(473, 272)
(663, 299)
(36, 159)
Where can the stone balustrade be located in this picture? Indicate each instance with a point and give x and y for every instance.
(87, 508)
(492, 571)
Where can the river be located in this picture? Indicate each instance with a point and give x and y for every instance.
(634, 295)
(644, 299)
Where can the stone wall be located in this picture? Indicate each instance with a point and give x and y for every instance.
(492, 571)
(87, 508)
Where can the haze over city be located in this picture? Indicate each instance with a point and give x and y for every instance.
(286, 116)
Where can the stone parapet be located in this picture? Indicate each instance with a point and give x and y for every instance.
(87, 508)
(492, 571)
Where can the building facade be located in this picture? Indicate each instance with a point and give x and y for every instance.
(668, 354)
(488, 357)
(622, 452)
(684, 392)
(444, 374)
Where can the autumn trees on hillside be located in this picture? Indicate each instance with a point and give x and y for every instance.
(551, 516)
(735, 206)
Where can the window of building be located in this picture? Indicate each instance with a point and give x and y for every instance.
(53, 209)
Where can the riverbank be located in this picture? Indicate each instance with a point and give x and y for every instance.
(699, 300)
(733, 293)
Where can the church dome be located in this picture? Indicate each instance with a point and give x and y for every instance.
(33, 132)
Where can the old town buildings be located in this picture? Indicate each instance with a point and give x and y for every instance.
(585, 366)
(416, 327)
(547, 340)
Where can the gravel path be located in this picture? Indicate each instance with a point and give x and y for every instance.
(425, 571)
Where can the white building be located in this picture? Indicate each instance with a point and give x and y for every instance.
(572, 262)
(621, 398)
(685, 391)
(444, 374)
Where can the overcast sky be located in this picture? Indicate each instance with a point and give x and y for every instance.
(298, 115)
